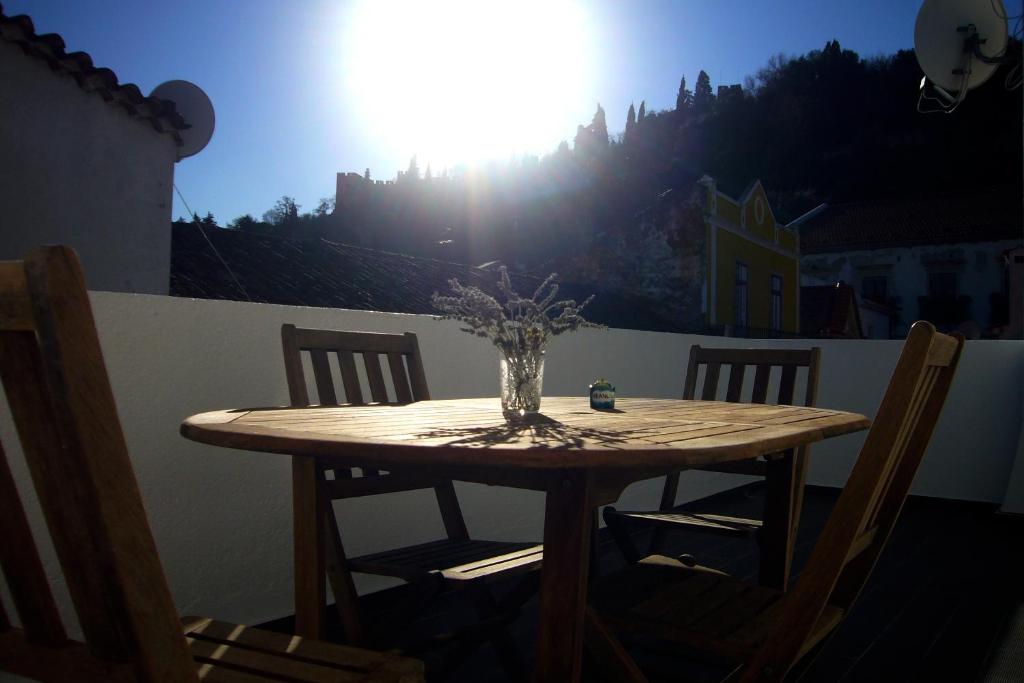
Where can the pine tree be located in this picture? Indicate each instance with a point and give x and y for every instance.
(428, 175)
(599, 127)
(630, 123)
(414, 170)
(642, 113)
(684, 97)
(702, 94)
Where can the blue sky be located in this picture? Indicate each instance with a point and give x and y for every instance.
(279, 73)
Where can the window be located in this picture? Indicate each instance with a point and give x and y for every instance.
(874, 288)
(740, 295)
(942, 285)
(776, 302)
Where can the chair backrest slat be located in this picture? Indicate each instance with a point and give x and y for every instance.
(350, 377)
(736, 375)
(761, 378)
(711, 374)
(867, 509)
(298, 394)
(690, 382)
(374, 375)
(322, 376)
(63, 407)
(399, 378)
(787, 384)
(417, 376)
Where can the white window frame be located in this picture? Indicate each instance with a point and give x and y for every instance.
(741, 295)
(775, 300)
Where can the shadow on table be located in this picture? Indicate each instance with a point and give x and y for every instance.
(535, 430)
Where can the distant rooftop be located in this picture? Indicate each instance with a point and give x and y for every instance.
(829, 311)
(984, 216)
(217, 263)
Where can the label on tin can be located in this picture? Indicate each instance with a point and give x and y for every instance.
(602, 395)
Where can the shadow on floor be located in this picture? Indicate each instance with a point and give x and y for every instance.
(939, 598)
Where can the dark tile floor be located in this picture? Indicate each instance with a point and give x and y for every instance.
(938, 600)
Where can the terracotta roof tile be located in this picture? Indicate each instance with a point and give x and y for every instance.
(49, 47)
(994, 214)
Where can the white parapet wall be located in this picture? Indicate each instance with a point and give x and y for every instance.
(222, 518)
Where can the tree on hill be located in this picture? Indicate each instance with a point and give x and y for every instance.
(684, 97)
(599, 126)
(591, 141)
(703, 97)
(207, 221)
(324, 207)
(248, 224)
(630, 124)
(414, 170)
(284, 211)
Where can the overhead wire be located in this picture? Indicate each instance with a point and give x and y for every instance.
(223, 261)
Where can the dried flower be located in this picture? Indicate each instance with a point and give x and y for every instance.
(519, 326)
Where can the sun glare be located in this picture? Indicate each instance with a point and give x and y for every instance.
(459, 82)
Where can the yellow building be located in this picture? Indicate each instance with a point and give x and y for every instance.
(753, 273)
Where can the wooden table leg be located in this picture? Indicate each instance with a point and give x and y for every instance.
(783, 498)
(309, 549)
(568, 517)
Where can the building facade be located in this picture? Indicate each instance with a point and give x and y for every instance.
(943, 259)
(753, 278)
(86, 161)
(718, 265)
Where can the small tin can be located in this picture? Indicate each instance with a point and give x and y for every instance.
(602, 395)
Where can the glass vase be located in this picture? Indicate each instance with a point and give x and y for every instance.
(521, 380)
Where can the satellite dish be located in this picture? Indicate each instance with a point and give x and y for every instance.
(195, 108)
(959, 44)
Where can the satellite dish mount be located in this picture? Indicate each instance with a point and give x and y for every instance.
(195, 108)
(959, 44)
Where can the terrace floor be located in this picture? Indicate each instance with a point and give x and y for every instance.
(937, 607)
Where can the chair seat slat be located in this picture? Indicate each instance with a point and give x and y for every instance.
(331, 656)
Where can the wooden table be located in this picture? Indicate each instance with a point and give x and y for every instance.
(580, 457)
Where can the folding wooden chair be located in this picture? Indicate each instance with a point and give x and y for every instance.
(758, 633)
(784, 495)
(60, 398)
(454, 562)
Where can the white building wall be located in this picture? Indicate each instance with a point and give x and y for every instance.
(222, 518)
(875, 323)
(80, 171)
(979, 267)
